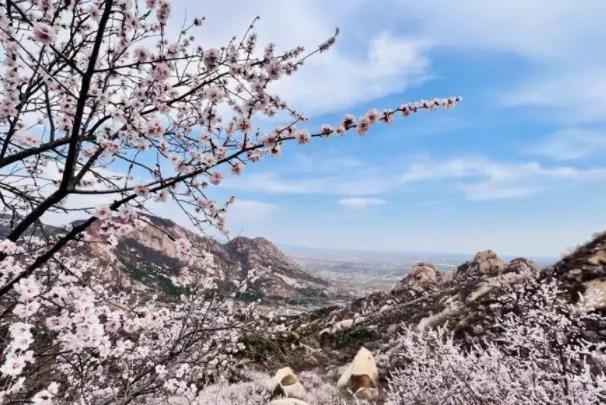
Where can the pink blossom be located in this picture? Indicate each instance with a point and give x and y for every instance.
(28, 356)
(45, 397)
(270, 140)
(303, 137)
(243, 124)
(44, 33)
(56, 323)
(373, 116)
(19, 329)
(103, 211)
(274, 70)
(22, 343)
(27, 309)
(276, 151)
(94, 12)
(326, 130)
(387, 117)
(8, 247)
(127, 213)
(204, 203)
(162, 196)
(13, 366)
(363, 126)
(211, 58)
(164, 145)
(238, 167)
(216, 178)
(141, 190)
(163, 11)
(27, 288)
(141, 54)
(348, 121)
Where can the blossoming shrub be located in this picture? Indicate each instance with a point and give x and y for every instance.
(541, 357)
(105, 110)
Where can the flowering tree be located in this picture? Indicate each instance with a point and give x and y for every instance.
(100, 99)
(541, 357)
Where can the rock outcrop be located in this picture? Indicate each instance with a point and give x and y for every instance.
(485, 263)
(288, 401)
(463, 300)
(422, 279)
(358, 382)
(148, 254)
(361, 376)
(287, 384)
(261, 256)
(584, 270)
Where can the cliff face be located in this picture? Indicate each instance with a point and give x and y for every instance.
(584, 270)
(259, 254)
(149, 255)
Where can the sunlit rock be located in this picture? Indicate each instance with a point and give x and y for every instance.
(288, 401)
(286, 381)
(361, 376)
(485, 263)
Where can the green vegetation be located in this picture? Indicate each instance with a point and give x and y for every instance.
(312, 292)
(154, 280)
(136, 273)
(168, 287)
(356, 337)
(250, 296)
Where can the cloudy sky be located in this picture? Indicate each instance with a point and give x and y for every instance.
(518, 167)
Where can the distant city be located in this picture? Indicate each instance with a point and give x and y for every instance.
(361, 272)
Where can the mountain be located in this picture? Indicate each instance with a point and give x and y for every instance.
(286, 275)
(462, 299)
(147, 258)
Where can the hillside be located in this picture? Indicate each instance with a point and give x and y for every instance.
(462, 299)
(147, 259)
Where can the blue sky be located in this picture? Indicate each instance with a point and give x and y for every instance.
(518, 167)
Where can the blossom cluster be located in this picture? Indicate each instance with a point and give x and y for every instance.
(540, 356)
(98, 344)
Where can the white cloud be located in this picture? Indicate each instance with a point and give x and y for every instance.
(359, 202)
(367, 62)
(426, 169)
(573, 95)
(385, 50)
(250, 211)
(482, 179)
(347, 183)
(569, 144)
(320, 163)
(539, 30)
(557, 40)
(491, 190)
(337, 80)
(478, 178)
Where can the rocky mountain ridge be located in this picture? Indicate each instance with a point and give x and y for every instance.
(463, 299)
(147, 258)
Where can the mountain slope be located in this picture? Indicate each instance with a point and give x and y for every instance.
(149, 254)
(464, 299)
